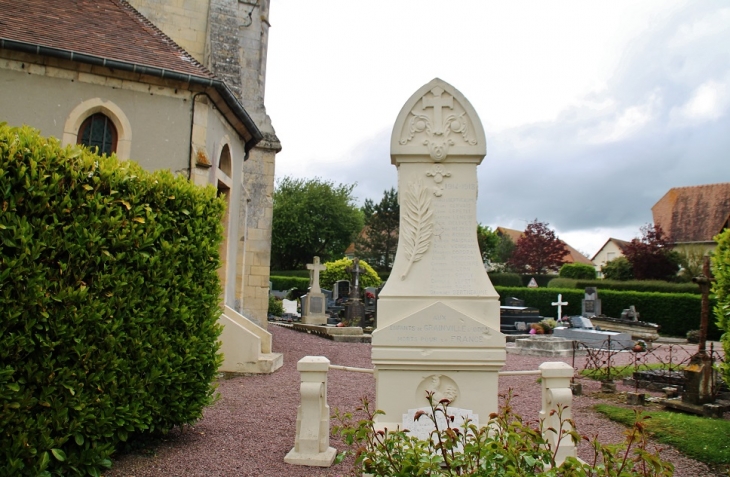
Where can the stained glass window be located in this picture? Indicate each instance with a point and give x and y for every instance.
(98, 131)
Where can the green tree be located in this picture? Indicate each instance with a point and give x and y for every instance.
(721, 289)
(337, 270)
(489, 242)
(618, 269)
(379, 239)
(505, 249)
(691, 258)
(312, 217)
(580, 271)
(538, 250)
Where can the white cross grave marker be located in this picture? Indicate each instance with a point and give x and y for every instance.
(316, 267)
(560, 303)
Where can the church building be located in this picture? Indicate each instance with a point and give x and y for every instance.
(171, 84)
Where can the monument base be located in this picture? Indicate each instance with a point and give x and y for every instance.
(322, 459)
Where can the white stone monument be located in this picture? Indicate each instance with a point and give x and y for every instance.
(438, 314)
(313, 312)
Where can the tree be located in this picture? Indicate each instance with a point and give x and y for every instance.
(488, 241)
(538, 250)
(379, 239)
(312, 217)
(618, 269)
(579, 271)
(651, 256)
(337, 270)
(721, 289)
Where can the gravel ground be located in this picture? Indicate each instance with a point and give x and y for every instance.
(252, 426)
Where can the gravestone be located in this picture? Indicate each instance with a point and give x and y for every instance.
(590, 305)
(355, 310)
(341, 291)
(582, 330)
(438, 313)
(313, 308)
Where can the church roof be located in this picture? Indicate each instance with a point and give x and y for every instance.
(110, 29)
(693, 214)
(112, 34)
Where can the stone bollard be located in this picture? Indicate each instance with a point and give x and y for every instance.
(311, 444)
(556, 392)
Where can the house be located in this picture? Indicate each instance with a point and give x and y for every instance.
(692, 216)
(613, 248)
(572, 256)
(172, 85)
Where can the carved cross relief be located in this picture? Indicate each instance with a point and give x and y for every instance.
(437, 118)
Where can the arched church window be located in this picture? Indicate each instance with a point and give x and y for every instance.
(98, 131)
(224, 163)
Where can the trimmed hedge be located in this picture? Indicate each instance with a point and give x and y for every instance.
(287, 283)
(291, 273)
(541, 280)
(505, 279)
(657, 286)
(580, 271)
(110, 301)
(677, 313)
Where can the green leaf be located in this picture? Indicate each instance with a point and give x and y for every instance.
(58, 454)
(79, 439)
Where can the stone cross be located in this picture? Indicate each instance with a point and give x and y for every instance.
(315, 267)
(560, 303)
(705, 283)
(355, 270)
(438, 102)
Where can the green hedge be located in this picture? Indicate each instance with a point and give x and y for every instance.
(657, 286)
(505, 279)
(291, 273)
(287, 283)
(677, 313)
(109, 295)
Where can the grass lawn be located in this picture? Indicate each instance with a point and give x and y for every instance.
(701, 438)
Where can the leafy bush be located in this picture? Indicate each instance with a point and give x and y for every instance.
(676, 313)
(517, 449)
(658, 286)
(618, 269)
(578, 270)
(505, 279)
(721, 289)
(693, 336)
(337, 270)
(276, 307)
(287, 283)
(110, 302)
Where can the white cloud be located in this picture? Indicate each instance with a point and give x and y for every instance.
(625, 123)
(708, 102)
(700, 29)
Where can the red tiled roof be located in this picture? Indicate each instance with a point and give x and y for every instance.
(573, 255)
(109, 29)
(693, 214)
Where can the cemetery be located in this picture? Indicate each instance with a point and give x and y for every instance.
(436, 348)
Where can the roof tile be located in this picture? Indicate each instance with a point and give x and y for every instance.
(109, 29)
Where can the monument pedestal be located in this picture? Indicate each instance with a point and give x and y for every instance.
(438, 314)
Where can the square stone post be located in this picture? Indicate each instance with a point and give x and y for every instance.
(311, 444)
(557, 395)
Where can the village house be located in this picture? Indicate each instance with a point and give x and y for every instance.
(172, 85)
(572, 255)
(612, 249)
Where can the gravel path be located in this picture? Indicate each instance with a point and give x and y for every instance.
(252, 426)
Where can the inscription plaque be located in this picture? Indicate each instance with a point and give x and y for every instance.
(316, 305)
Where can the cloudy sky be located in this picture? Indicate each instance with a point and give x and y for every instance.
(592, 110)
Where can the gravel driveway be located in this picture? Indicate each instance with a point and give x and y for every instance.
(252, 426)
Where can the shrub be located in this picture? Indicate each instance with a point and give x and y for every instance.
(721, 289)
(505, 279)
(618, 269)
(676, 313)
(110, 302)
(287, 283)
(516, 449)
(658, 286)
(578, 270)
(276, 307)
(693, 336)
(337, 270)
